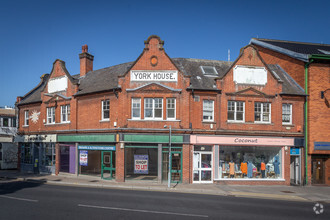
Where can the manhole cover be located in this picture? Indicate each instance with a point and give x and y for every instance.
(287, 192)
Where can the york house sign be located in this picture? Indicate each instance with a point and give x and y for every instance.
(163, 75)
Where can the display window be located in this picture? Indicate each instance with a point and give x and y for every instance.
(250, 162)
(141, 163)
(92, 165)
(48, 154)
(26, 153)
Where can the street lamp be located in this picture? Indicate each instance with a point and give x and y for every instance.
(169, 157)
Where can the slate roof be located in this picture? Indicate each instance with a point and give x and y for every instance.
(297, 50)
(35, 94)
(289, 86)
(192, 67)
(106, 79)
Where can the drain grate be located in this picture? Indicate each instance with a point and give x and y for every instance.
(287, 192)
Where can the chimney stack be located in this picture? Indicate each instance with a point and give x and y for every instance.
(86, 61)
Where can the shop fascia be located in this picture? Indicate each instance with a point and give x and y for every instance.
(238, 140)
(35, 138)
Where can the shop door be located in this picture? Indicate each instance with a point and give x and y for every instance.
(294, 170)
(202, 164)
(318, 171)
(108, 168)
(176, 167)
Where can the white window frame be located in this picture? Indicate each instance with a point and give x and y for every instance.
(290, 113)
(51, 115)
(208, 110)
(153, 109)
(104, 104)
(170, 108)
(135, 102)
(236, 111)
(262, 112)
(65, 113)
(26, 118)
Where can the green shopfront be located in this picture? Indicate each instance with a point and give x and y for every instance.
(146, 157)
(94, 155)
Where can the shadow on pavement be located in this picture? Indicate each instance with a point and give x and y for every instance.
(13, 186)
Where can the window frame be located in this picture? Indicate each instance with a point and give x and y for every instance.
(170, 108)
(290, 113)
(135, 108)
(66, 113)
(26, 118)
(207, 110)
(153, 108)
(262, 112)
(236, 111)
(105, 103)
(51, 116)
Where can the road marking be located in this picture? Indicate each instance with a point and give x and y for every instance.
(22, 199)
(145, 211)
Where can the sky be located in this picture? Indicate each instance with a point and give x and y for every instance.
(33, 34)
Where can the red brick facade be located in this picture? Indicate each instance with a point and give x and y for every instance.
(318, 111)
(86, 110)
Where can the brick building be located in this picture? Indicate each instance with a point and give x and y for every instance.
(309, 65)
(117, 122)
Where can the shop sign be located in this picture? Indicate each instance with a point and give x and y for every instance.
(86, 147)
(36, 138)
(321, 145)
(141, 164)
(255, 141)
(83, 158)
(144, 76)
(294, 151)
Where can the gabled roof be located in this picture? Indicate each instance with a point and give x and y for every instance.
(192, 67)
(289, 86)
(34, 95)
(297, 50)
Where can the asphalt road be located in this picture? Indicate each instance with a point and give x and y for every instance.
(28, 200)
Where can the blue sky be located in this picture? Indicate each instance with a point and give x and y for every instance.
(34, 34)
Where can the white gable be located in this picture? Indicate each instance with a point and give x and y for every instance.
(58, 84)
(250, 75)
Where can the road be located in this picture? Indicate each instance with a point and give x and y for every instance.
(33, 200)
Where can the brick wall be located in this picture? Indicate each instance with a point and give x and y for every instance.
(120, 163)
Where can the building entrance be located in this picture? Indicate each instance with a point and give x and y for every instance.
(318, 174)
(202, 164)
(108, 165)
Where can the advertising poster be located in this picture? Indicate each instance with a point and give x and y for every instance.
(83, 158)
(141, 164)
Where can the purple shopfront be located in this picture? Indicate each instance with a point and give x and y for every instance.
(67, 158)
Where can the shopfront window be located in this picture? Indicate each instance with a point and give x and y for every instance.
(141, 163)
(48, 154)
(27, 153)
(250, 162)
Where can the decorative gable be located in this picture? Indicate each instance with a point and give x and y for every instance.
(154, 87)
(250, 92)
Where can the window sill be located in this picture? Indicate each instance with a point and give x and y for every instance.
(262, 123)
(235, 122)
(287, 125)
(25, 126)
(152, 120)
(63, 123)
(208, 122)
(105, 120)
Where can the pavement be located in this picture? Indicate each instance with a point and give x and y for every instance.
(293, 193)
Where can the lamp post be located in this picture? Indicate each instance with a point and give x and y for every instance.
(169, 157)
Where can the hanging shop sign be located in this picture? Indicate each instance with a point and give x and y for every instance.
(164, 76)
(294, 151)
(141, 164)
(88, 147)
(83, 158)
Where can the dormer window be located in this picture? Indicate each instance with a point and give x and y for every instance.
(209, 70)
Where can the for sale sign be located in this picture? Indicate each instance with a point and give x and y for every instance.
(83, 158)
(141, 164)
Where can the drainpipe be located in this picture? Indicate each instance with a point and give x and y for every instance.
(306, 120)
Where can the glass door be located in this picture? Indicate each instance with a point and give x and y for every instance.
(108, 165)
(176, 167)
(202, 167)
